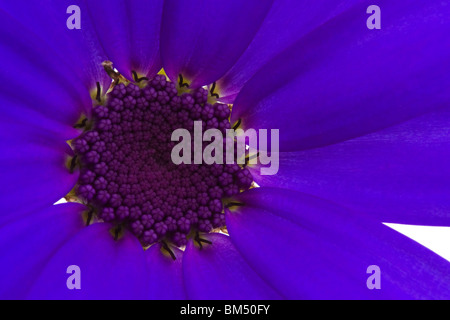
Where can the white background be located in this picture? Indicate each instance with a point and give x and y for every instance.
(436, 239)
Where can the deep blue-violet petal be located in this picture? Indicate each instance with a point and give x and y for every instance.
(27, 244)
(80, 49)
(145, 23)
(109, 269)
(33, 157)
(202, 39)
(310, 248)
(129, 33)
(25, 122)
(397, 175)
(343, 80)
(287, 22)
(110, 21)
(166, 279)
(218, 272)
(34, 174)
(36, 78)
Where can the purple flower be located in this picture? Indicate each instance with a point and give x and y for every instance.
(364, 128)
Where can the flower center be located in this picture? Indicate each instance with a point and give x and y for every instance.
(127, 176)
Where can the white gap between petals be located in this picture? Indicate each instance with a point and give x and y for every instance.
(436, 239)
(61, 201)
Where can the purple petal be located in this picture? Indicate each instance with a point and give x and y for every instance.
(129, 33)
(166, 279)
(287, 22)
(145, 19)
(110, 22)
(310, 248)
(203, 39)
(22, 122)
(35, 78)
(343, 80)
(27, 244)
(79, 50)
(398, 175)
(34, 176)
(109, 269)
(218, 272)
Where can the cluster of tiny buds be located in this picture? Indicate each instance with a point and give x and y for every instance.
(128, 177)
